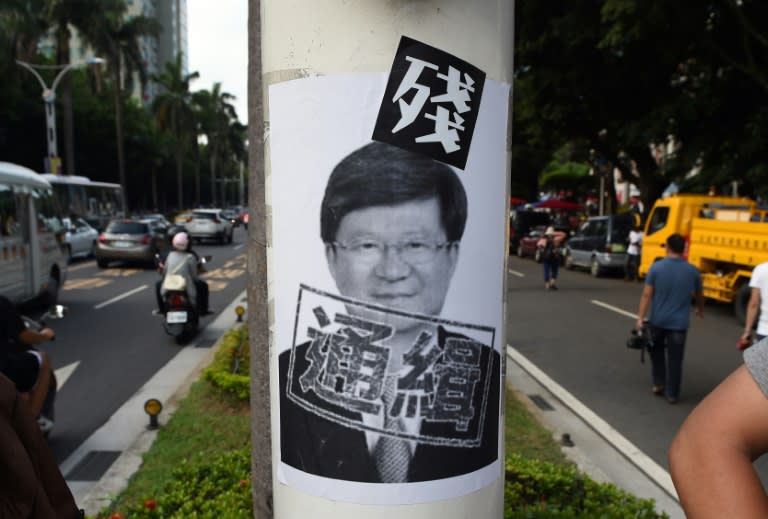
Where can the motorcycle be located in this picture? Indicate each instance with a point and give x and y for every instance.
(181, 318)
(47, 412)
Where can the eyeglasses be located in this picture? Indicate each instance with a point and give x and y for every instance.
(413, 252)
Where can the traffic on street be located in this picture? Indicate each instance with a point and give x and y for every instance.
(109, 343)
(577, 336)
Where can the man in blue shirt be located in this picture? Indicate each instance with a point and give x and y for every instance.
(669, 286)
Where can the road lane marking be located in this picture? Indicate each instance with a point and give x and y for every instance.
(641, 460)
(516, 273)
(121, 296)
(64, 372)
(216, 286)
(85, 283)
(81, 267)
(614, 309)
(236, 247)
(119, 273)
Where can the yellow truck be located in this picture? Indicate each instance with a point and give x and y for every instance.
(726, 237)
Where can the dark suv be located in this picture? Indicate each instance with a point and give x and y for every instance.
(600, 244)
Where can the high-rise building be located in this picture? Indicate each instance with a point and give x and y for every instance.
(156, 51)
(172, 15)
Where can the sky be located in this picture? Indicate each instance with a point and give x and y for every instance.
(217, 35)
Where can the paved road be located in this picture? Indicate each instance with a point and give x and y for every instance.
(576, 335)
(114, 343)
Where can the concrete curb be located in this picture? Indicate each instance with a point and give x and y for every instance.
(598, 450)
(170, 385)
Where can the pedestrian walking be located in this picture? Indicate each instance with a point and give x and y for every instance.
(757, 305)
(635, 239)
(549, 247)
(669, 286)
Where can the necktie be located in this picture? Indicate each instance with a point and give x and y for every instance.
(392, 454)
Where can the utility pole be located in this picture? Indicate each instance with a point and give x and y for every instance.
(345, 50)
(258, 303)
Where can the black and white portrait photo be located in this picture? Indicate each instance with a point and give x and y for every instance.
(388, 275)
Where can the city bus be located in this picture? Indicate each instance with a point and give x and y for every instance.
(33, 265)
(95, 202)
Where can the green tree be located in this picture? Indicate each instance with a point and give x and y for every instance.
(620, 75)
(62, 14)
(173, 108)
(215, 115)
(22, 23)
(116, 38)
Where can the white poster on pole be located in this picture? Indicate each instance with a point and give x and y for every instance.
(388, 265)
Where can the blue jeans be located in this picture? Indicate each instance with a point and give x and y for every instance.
(667, 359)
(550, 269)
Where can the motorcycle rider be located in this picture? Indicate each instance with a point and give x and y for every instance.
(185, 262)
(27, 367)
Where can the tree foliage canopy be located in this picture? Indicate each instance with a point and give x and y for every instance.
(116, 138)
(615, 76)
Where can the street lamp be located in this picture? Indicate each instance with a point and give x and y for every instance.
(49, 98)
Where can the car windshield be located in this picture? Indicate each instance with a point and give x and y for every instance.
(127, 228)
(204, 216)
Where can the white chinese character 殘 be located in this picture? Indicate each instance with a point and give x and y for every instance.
(457, 93)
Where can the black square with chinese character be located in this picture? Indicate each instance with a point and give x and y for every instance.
(431, 103)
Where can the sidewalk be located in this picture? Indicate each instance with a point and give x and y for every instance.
(598, 450)
(114, 452)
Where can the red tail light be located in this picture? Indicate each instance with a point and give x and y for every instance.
(102, 239)
(216, 220)
(177, 300)
(145, 239)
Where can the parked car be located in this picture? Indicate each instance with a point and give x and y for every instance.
(526, 245)
(209, 224)
(521, 222)
(131, 241)
(79, 238)
(600, 244)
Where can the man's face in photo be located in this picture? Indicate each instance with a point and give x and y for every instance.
(395, 256)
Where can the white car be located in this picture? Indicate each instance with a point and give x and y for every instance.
(80, 238)
(209, 224)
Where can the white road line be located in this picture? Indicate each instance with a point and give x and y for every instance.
(81, 266)
(641, 460)
(63, 373)
(121, 296)
(516, 273)
(236, 247)
(614, 309)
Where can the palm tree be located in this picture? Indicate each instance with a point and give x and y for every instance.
(22, 23)
(117, 39)
(173, 109)
(62, 14)
(216, 115)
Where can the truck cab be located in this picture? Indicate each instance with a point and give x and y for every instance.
(674, 215)
(726, 237)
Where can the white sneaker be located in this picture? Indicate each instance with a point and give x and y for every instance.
(46, 424)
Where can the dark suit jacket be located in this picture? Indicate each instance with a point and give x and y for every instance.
(319, 446)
